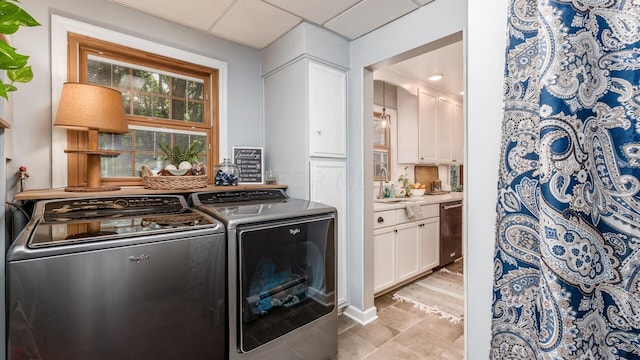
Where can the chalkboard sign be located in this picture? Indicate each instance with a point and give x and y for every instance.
(250, 162)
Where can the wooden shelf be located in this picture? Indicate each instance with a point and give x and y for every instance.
(47, 194)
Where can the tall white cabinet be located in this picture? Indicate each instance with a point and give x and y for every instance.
(305, 138)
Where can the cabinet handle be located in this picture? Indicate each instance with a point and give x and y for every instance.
(380, 220)
(395, 230)
(447, 207)
(319, 131)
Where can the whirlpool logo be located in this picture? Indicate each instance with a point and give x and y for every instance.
(294, 231)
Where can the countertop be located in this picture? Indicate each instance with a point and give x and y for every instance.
(398, 203)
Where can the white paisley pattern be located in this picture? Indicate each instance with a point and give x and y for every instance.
(567, 260)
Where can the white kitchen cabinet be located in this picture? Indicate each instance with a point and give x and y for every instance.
(458, 134)
(404, 249)
(407, 254)
(445, 130)
(429, 243)
(327, 111)
(384, 271)
(428, 125)
(407, 127)
(433, 135)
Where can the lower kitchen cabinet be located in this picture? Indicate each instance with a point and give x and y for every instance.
(429, 237)
(404, 249)
(384, 254)
(407, 255)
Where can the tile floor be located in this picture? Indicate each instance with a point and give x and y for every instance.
(401, 332)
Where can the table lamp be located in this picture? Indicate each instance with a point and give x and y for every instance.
(91, 108)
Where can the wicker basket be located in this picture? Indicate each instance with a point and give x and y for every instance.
(171, 182)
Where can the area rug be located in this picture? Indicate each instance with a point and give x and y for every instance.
(441, 292)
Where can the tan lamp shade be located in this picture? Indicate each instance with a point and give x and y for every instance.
(85, 106)
(91, 108)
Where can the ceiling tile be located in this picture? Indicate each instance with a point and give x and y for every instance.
(199, 14)
(254, 23)
(369, 15)
(315, 11)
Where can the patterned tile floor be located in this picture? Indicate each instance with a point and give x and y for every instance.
(401, 332)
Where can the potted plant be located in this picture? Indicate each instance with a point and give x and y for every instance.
(183, 159)
(11, 18)
(405, 183)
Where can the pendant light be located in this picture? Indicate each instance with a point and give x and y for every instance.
(384, 117)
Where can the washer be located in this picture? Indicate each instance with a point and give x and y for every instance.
(281, 273)
(135, 277)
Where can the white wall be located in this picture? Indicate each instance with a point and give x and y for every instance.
(485, 64)
(427, 24)
(31, 129)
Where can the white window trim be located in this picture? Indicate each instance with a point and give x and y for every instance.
(61, 26)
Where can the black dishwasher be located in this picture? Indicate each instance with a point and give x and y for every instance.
(450, 232)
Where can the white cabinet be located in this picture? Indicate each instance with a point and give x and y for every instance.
(384, 271)
(305, 140)
(407, 255)
(407, 127)
(444, 130)
(429, 243)
(327, 111)
(404, 248)
(427, 130)
(458, 134)
(438, 125)
(328, 186)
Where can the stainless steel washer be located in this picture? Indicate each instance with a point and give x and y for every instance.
(137, 277)
(281, 274)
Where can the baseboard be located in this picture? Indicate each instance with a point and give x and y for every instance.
(361, 317)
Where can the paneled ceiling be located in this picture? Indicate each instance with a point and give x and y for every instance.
(257, 23)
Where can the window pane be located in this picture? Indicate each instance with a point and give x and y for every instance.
(150, 93)
(188, 111)
(143, 146)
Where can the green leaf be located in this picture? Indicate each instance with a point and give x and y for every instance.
(10, 87)
(3, 91)
(23, 75)
(9, 17)
(10, 59)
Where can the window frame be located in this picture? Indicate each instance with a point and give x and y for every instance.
(383, 148)
(81, 48)
(61, 26)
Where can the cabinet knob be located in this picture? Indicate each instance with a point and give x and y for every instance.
(318, 131)
(380, 220)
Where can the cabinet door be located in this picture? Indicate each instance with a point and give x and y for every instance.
(328, 186)
(327, 111)
(407, 127)
(428, 136)
(429, 234)
(445, 128)
(407, 262)
(458, 134)
(384, 258)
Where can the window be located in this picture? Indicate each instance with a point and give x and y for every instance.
(167, 103)
(381, 145)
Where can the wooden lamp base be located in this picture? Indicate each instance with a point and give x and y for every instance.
(93, 166)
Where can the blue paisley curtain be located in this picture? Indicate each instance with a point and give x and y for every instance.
(566, 267)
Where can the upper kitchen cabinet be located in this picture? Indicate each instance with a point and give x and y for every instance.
(444, 129)
(327, 111)
(458, 134)
(429, 128)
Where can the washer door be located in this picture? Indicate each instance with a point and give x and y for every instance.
(287, 278)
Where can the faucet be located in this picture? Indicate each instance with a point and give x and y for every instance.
(382, 180)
